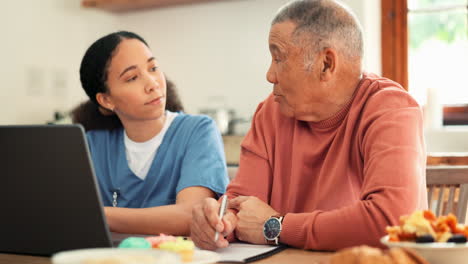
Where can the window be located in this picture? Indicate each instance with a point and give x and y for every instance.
(425, 48)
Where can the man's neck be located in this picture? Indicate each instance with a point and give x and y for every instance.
(344, 88)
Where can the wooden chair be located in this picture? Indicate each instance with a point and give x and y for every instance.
(447, 190)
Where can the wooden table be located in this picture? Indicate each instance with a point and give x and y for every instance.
(287, 256)
(298, 256)
(447, 158)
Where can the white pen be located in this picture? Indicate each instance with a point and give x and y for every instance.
(222, 210)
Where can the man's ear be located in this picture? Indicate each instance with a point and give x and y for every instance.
(104, 101)
(328, 67)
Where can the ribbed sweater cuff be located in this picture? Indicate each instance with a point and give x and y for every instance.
(296, 230)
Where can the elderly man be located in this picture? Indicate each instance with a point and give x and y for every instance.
(333, 156)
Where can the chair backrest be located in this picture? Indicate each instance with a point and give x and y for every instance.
(447, 190)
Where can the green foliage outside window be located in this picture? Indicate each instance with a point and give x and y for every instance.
(446, 25)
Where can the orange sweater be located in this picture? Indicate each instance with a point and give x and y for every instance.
(341, 181)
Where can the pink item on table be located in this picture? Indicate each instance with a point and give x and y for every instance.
(157, 240)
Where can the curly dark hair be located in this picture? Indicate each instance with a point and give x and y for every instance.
(93, 77)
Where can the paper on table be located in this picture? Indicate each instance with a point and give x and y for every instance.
(239, 252)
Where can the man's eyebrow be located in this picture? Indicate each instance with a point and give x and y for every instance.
(275, 49)
(134, 67)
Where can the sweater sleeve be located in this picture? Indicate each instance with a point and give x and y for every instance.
(393, 182)
(254, 176)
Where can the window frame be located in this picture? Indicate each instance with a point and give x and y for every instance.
(394, 37)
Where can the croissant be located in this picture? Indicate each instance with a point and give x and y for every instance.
(369, 255)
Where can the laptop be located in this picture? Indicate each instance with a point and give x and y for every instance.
(49, 197)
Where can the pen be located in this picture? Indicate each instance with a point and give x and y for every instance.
(222, 210)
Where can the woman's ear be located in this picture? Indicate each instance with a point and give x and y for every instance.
(104, 101)
(328, 64)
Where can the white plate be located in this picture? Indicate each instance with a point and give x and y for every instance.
(81, 255)
(162, 256)
(435, 253)
(204, 257)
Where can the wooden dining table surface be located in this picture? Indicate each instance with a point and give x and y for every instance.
(289, 255)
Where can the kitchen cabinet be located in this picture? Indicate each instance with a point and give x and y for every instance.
(120, 6)
(232, 149)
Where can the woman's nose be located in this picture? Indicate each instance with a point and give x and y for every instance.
(152, 83)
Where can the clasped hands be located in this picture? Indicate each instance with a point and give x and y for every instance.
(244, 218)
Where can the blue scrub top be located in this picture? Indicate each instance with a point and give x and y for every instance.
(191, 154)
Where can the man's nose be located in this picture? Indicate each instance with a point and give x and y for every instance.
(271, 75)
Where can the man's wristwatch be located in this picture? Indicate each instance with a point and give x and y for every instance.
(272, 229)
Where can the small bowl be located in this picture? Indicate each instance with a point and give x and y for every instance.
(435, 253)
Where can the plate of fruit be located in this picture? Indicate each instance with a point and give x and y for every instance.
(438, 239)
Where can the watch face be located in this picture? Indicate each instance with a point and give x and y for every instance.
(272, 228)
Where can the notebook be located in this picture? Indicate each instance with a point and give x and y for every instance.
(49, 198)
(245, 253)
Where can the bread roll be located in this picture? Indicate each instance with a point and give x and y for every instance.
(369, 255)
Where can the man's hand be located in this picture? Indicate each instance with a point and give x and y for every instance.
(252, 214)
(205, 222)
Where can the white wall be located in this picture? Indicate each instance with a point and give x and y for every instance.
(41, 48)
(220, 50)
(210, 50)
(368, 13)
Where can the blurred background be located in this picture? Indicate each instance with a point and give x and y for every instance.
(216, 53)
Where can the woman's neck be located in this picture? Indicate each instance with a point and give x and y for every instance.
(141, 131)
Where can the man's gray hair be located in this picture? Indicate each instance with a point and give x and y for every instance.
(326, 23)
